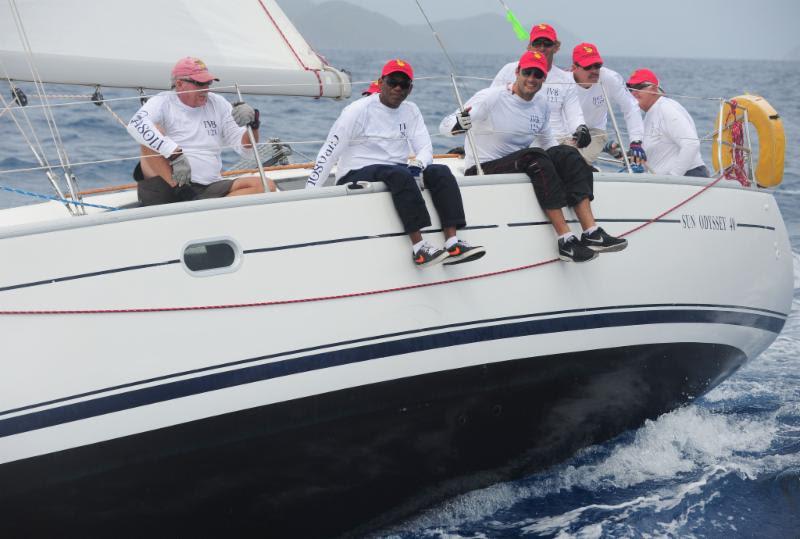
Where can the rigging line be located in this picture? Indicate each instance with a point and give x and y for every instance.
(54, 132)
(51, 197)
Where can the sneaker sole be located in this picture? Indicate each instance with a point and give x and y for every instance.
(469, 256)
(434, 261)
(568, 259)
(611, 249)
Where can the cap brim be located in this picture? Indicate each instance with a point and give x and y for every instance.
(203, 77)
(591, 60)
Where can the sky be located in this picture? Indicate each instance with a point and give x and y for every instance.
(765, 29)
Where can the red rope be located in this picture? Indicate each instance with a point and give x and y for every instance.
(352, 294)
(736, 171)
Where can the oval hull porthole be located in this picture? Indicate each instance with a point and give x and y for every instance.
(203, 258)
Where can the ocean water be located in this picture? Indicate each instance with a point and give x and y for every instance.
(728, 465)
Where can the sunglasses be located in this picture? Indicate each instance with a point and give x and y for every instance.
(535, 71)
(404, 84)
(544, 43)
(198, 84)
(592, 67)
(640, 86)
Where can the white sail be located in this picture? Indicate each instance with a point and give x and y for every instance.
(134, 44)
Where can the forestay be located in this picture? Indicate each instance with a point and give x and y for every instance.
(134, 44)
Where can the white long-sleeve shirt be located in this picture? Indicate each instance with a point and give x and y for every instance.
(595, 110)
(368, 132)
(201, 132)
(559, 91)
(670, 138)
(503, 123)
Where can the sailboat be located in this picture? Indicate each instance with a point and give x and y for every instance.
(274, 364)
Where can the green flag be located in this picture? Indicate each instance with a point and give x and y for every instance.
(522, 34)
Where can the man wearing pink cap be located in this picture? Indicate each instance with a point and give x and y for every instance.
(506, 122)
(670, 136)
(183, 132)
(371, 141)
(589, 74)
(566, 118)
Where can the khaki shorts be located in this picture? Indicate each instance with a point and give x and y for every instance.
(590, 153)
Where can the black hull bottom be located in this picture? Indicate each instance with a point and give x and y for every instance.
(358, 458)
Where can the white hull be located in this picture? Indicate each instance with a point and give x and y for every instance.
(96, 375)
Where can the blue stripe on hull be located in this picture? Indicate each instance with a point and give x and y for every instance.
(255, 373)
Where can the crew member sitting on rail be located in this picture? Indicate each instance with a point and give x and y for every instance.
(373, 88)
(589, 74)
(507, 121)
(670, 136)
(182, 133)
(371, 140)
(566, 117)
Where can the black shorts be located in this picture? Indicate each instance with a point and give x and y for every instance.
(155, 190)
(560, 176)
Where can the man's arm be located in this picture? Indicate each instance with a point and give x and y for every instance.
(681, 131)
(338, 139)
(142, 128)
(420, 140)
(630, 108)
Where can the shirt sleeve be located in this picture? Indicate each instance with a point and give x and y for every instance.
(421, 140)
(505, 75)
(338, 139)
(479, 110)
(572, 108)
(231, 132)
(628, 104)
(142, 127)
(681, 131)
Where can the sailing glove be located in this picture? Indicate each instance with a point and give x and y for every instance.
(637, 152)
(613, 149)
(463, 122)
(245, 115)
(582, 137)
(181, 170)
(415, 168)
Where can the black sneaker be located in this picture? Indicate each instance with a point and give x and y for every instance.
(462, 251)
(571, 250)
(428, 255)
(601, 242)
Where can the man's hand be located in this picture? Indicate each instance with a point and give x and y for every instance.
(463, 121)
(637, 152)
(582, 137)
(181, 170)
(613, 149)
(245, 115)
(415, 168)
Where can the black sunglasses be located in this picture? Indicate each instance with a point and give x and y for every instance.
(535, 71)
(640, 86)
(404, 84)
(591, 67)
(198, 84)
(546, 43)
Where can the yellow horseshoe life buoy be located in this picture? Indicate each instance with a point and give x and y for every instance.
(771, 138)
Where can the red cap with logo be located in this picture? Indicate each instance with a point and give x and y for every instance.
(586, 54)
(397, 65)
(373, 88)
(543, 30)
(533, 59)
(642, 76)
(192, 68)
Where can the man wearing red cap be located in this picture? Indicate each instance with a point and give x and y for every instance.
(182, 133)
(507, 122)
(589, 73)
(371, 141)
(566, 118)
(373, 88)
(670, 136)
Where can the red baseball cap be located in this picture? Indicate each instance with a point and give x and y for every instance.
(533, 59)
(641, 76)
(192, 68)
(543, 30)
(397, 65)
(373, 88)
(586, 54)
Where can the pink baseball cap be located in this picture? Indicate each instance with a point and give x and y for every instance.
(397, 65)
(586, 54)
(543, 30)
(533, 59)
(642, 76)
(192, 68)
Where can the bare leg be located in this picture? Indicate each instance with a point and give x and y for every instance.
(449, 232)
(557, 219)
(583, 210)
(249, 186)
(153, 164)
(415, 237)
